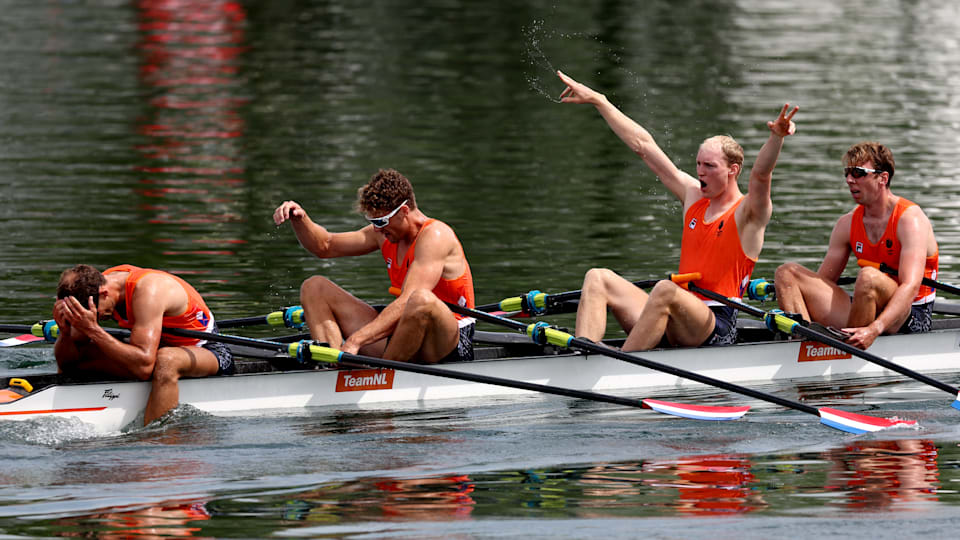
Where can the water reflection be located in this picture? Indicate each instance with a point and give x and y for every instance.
(178, 520)
(878, 475)
(192, 164)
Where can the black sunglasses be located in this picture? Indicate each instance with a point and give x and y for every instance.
(859, 172)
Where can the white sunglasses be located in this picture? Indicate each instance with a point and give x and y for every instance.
(383, 221)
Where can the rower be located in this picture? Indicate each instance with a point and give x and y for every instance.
(883, 229)
(425, 261)
(722, 237)
(146, 301)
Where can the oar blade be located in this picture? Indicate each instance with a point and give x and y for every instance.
(859, 423)
(956, 403)
(695, 412)
(19, 340)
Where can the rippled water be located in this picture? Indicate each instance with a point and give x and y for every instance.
(164, 132)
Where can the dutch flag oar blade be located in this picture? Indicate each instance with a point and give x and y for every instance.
(19, 340)
(956, 403)
(695, 412)
(859, 423)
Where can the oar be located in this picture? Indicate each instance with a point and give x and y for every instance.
(542, 333)
(308, 350)
(289, 316)
(540, 303)
(789, 326)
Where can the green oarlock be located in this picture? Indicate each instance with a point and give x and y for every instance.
(785, 324)
(320, 353)
(558, 337)
(275, 318)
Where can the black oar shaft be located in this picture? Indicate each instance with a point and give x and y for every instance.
(360, 360)
(595, 348)
(827, 340)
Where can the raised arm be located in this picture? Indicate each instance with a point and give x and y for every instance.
(757, 206)
(634, 135)
(318, 240)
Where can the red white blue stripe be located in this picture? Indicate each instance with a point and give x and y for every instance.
(19, 340)
(696, 412)
(859, 423)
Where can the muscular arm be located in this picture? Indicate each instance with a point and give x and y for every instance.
(838, 251)
(318, 240)
(912, 231)
(757, 206)
(682, 185)
(101, 352)
(433, 248)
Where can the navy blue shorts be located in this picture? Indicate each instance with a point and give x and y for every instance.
(725, 327)
(919, 321)
(223, 353)
(464, 350)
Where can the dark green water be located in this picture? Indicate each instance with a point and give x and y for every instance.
(164, 133)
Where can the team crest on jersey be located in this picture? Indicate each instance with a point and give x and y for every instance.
(202, 318)
(859, 248)
(720, 228)
(389, 263)
(692, 224)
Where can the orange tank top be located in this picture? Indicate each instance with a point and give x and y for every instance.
(887, 249)
(714, 250)
(196, 317)
(455, 291)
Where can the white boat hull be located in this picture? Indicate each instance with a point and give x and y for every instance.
(110, 406)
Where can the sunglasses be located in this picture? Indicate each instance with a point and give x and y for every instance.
(859, 172)
(383, 221)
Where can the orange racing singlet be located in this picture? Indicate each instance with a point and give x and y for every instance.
(455, 291)
(714, 250)
(196, 317)
(887, 249)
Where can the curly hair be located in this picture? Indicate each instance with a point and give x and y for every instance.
(386, 190)
(865, 151)
(81, 282)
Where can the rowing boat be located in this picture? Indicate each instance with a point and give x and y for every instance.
(266, 383)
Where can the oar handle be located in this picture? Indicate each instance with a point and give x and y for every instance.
(291, 317)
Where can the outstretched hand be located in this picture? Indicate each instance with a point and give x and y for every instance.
(784, 125)
(576, 92)
(288, 210)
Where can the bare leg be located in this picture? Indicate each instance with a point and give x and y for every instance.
(870, 295)
(427, 330)
(173, 363)
(332, 313)
(800, 290)
(673, 311)
(602, 289)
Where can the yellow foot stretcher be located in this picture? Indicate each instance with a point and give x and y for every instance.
(16, 389)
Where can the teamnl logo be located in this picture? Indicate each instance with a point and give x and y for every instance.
(356, 380)
(812, 351)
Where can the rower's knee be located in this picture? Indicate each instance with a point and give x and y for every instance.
(421, 304)
(165, 370)
(315, 286)
(663, 295)
(786, 274)
(596, 279)
(870, 280)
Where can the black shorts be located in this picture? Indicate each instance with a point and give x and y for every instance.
(725, 327)
(919, 321)
(464, 349)
(223, 353)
